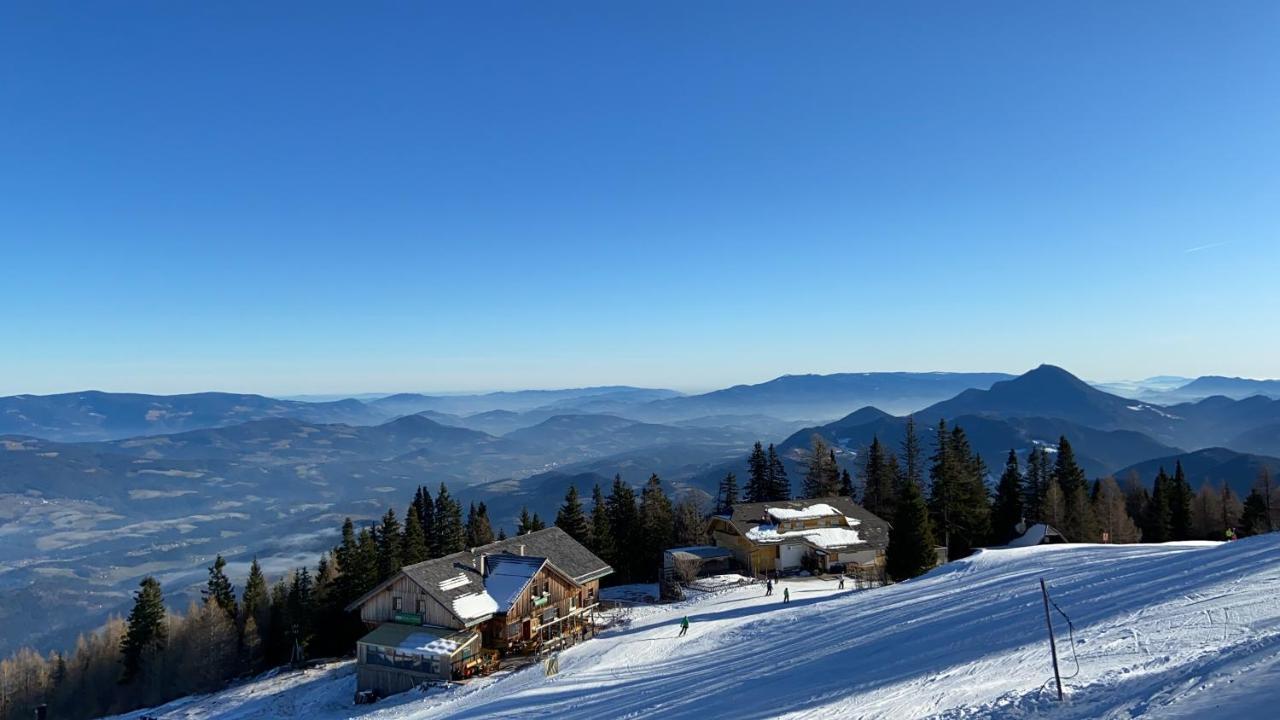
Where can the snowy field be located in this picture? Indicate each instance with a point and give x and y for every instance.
(1183, 630)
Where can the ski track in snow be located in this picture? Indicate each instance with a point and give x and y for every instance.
(1180, 630)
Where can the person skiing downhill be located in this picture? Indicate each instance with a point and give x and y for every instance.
(684, 626)
(786, 595)
(768, 587)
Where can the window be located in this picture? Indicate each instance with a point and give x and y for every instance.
(513, 630)
(399, 661)
(420, 606)
(397, 603)
(573, 602)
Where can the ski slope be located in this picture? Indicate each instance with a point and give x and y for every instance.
(1180, 630)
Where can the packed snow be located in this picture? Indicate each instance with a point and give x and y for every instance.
(427, 644)
(810, 512)
(1181, 630)
(825, 538)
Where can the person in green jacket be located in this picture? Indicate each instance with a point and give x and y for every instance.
(684, 625)
(786, 595)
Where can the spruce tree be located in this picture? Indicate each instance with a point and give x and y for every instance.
(524, 525)
(1006, 511)
(449, 528)
(689, 523)
(1180, 504)
(779, 485)
(822, 476)
(657, 523)
(1034, 485)
(846, 484)
(601, 535)
(413, 548)
(479, 529)
(256, 598)
(571, 517)
(911, 543)
(502, 534)
(425, 508)
(1254, 520)
(877, 481)
(912, 455)
(147, 629)
(1080, 524)
(1266, 491)
(1158, 523)
(389, 542)
(624, 523)
(727, 494)
(758, 487)
(218, 589)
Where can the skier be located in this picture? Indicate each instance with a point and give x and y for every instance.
(786, 595)
(1231, 534)
(684, 625)
(841, 581)
(768, 588)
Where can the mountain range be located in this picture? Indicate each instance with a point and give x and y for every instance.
(99, 488)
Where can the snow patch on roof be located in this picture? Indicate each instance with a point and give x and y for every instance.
(454, 582)
(427, 644)
(824, 538)
(509, 576)
(475, 606)
(810, 512)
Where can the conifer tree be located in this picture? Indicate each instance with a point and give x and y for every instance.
(657, 523)
(571, 518)
(779, 485)
(218, 589)
(1206, 513)
(1231, 508)
(758, 487)
(911, 543)
(822, 476)
(389, 542)
(1253, 520)
(538, 523)
(502, 534)
(727, 494)
(1266, 491)
(345, 554)
(524, 525)
(1179, 504)
(1053, 507)
(425, 508)
(877, 481)
(624, 523)
(256, 598)
(912, 455)
(1006, 511)
(479, 530)
(846, 484)
(1136, 498)
(413, 548)
(601, 535)
(1079, 524)
(1157, 525)
(449, 528)
(1033, 486)
(147, 629)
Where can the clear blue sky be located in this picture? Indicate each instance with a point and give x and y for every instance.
(418, 196)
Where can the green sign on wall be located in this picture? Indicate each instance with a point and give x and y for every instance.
(405, 618)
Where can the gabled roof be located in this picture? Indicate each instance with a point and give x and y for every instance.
(454, 580)
(754, 519)
(506, 576)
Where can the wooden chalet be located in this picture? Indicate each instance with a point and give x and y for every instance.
(786, 535)
(453, 616)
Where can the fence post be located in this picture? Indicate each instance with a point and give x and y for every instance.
(1053, 646)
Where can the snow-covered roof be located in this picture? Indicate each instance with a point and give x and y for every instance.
(508, 576)
(822, 538)
(808, 512)
(424, 640)
(475, 606)
(705, 552)
(1036, 535)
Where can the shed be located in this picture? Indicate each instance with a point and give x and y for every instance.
(394, 657)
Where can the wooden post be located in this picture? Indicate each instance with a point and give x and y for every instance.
(1053, 646)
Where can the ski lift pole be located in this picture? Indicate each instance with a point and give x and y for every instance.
(1053, 646)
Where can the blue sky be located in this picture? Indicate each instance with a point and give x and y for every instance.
(418, 196)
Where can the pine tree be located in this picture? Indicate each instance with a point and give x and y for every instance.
(256, 598)
(1157, 525)
(657, 523)
(877, 481)
(479, 530)
(219, 590)
(1180, 504)
(571, 518)
(425, 508)
(1253, 520)
(912, 458)
(1115, 523)
(601, 535)
(822, 476)
(1034, 485)
(524, 525)
(449, 529)
(502, 534)
(911, 544)
(413, 548)
(1006, 511)
(727, 494)
(846, 484)
(779, 485)
(758, 488)
(1136, 498)
(389, 541)
(624, 523)
(1079, 524)
(300, 611)
(147, 629)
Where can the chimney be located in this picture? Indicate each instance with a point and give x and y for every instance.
(482, 564)
(522, 550)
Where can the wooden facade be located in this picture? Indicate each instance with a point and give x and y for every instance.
(550, 601)
(404, 596)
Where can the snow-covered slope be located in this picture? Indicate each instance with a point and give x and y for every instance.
(1161, 631)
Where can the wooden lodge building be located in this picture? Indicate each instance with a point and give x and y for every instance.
(788, 535)
(449, 617)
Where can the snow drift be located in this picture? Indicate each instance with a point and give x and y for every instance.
(1160, 631)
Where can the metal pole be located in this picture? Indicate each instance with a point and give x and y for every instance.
(1053, 646)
